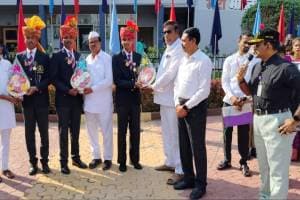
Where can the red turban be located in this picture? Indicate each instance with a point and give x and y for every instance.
(129, 31)
(69, 28)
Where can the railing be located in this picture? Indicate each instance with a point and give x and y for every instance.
(218, 66)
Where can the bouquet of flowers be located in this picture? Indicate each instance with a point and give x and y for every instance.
(18, 83)
(81, 78)
(147, 72)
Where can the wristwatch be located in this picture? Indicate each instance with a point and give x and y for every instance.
(185, 108)
(296, 118)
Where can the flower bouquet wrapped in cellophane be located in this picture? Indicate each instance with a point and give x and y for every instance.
(81, 78)
(147, 72)
(18, 83)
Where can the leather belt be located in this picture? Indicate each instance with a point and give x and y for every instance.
(269, 112)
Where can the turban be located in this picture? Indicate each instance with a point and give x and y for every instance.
(129, 31)
(69, 28)
(33, 27)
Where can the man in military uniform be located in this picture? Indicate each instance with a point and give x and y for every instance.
(68, 101)
(271, 84)
(35, 64)
(128, 98)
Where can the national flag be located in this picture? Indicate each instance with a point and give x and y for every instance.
(243, 4)
(157, 6)
(105, 6)
(257, 21)
(172, 12)
(281, 26)
(102, 27)
(114, 42)
(51, 7)
(135, 6)
(20, 40)
(216, 33)
(213, 3)
(189, 3)
(76, 7)
(291, 29)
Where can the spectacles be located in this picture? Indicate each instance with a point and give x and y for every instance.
(167, 32)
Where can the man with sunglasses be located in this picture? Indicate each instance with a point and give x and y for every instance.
(164, 96)
(271, 85)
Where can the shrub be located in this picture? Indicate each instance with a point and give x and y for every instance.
(215, 98)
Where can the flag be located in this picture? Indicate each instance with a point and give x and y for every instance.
(21, 41)
(62, 17)
(135, 6)
(42, 14)
(102, 27)
(257, 21)
(213, 3)
(281, 26)
(105, 6)
(114, 42)
(243, 4)
(233, 117)
(172, 12)
(291, 29)
(76, 7)
(189, 3)
(216, 33)
(157, 5)
(51, 7)
(18, 2)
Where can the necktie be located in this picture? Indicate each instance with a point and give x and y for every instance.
(72, 59)
(128, 56)
(30, 59)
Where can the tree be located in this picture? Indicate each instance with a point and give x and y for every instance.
(270, 11)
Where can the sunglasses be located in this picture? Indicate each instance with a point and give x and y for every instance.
(167, 32)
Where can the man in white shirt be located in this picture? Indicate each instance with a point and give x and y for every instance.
(192, 87)
(235, 97)
(98, 102)
(164, 96)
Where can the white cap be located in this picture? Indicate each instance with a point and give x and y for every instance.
(93, 34)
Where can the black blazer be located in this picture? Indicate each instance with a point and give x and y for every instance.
(38, 75)
(124, 79)
(61, 73)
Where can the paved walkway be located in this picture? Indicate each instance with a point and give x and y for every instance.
(134, 184)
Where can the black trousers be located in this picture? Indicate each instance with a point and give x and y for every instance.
(192, 144)
(69, 118)
(243, 141)
(32, 116)
(129, 115)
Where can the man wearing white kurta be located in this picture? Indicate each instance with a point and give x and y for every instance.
(7, 116)
(98, 102)
(164, 96)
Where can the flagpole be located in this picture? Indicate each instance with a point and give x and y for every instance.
(157, 34)
(215, 52)
(188, 18)
(52, 33)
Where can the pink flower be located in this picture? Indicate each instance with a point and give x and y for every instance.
(16, 69)
(262, 26)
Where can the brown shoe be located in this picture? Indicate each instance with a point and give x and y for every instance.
(8, 174)
(174, 179)
(165, 168)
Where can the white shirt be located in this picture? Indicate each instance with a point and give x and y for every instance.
(33, 51)
(229, 81)
(100, 69)
(164, 85)
(193, 79)
(7, 111)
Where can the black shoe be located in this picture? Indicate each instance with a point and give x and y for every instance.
(224, 165)
(245, 170)
(137, 166)
(45, 168)
(123, 167)
(182, 185)
(79, 163)
(33, 170)
(107, 164)
(65, 170)
(197, 193)
(95, 163)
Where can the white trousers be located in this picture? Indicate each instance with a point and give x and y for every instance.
(104, 121)
(4, 149)
(169, 130)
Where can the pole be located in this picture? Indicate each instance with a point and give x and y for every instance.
(52, 33)
(215, 52)
(157, 34)
(188, 18)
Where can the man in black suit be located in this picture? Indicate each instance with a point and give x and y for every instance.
(67, 100)
(128, 98)
(35, 64)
